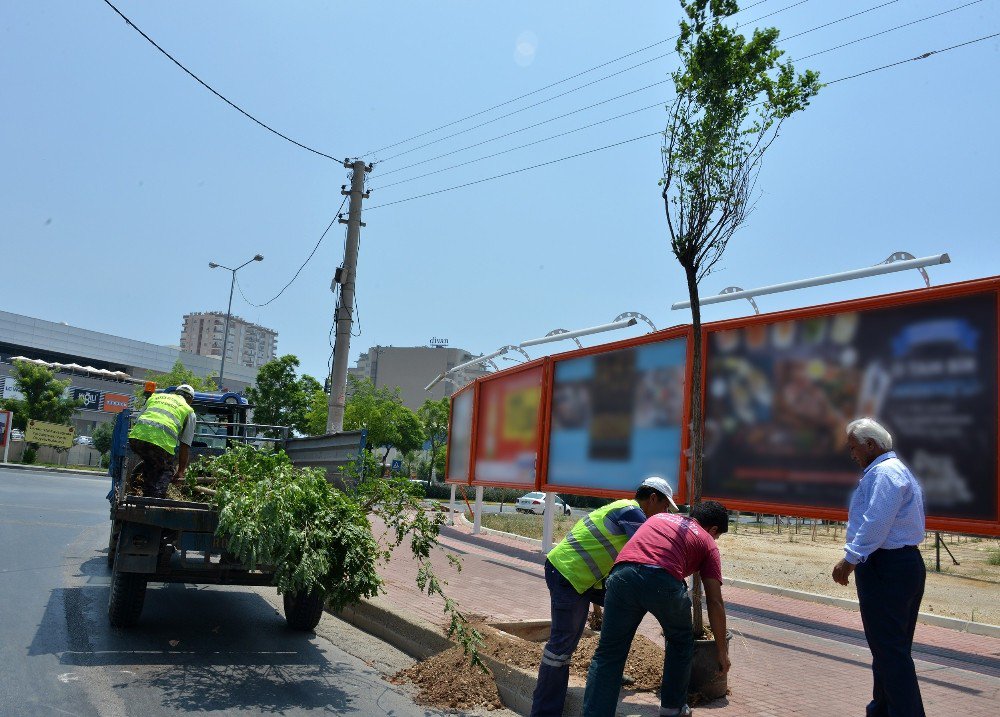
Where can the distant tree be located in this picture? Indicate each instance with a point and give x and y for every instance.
(44, 396)
(177, 375)
(279, 396)
(317, 409)
(380, 411)
(102, 437)
(434, 415)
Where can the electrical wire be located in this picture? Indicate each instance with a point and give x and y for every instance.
(536, 91)
(634, 139)
(308, 258)
(216, 92)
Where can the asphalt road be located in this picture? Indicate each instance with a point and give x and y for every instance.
(203, 649)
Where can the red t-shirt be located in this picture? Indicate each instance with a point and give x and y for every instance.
(675, 543)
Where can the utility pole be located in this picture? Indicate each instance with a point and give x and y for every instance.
(345, 311)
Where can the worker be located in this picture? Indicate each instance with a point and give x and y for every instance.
(165, 423)
(574, 573)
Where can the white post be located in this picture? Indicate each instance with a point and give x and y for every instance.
(477, 521)
(6, 448)
(451, 506)
(547, 525)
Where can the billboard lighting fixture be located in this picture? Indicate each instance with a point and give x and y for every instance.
(467, 364)
(581, 332)
(905, 265)
(435, 382)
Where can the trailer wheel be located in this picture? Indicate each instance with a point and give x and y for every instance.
(303, 610)
(116, 528)
(128, 592)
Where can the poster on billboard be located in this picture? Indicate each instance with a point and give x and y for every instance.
(507, 436)
(616, 418)
(115, 402)
(460, 436)
(90, 397)
(779, 395)
(6, 423)
(10, 389)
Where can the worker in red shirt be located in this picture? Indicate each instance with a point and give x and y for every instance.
(649, 576)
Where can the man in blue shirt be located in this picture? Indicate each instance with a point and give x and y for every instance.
(884, 527)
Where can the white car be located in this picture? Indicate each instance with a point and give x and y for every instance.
(83, 441)
(535, 503)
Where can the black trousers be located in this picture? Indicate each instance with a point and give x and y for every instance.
(890, 586)
(157, 468)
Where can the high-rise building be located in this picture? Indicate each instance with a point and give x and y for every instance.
(411, 368)
(249, 344)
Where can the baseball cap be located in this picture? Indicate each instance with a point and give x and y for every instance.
(662, 487)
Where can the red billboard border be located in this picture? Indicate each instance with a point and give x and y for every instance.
(903, 298)
(545, 364)
(674, 332)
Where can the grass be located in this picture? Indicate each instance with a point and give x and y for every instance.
(993, 556)
(530, 526)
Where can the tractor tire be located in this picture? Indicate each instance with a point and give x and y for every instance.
(116, 528)
(128, 593)
(303, 610)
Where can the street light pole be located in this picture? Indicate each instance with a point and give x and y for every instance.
(229, 309)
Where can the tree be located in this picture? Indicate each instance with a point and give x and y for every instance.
(279, 396)
(732, 95)
(317, 409)
(180, 374)
(380, 411)
(102, 437)
(44, 396)
(434, 415)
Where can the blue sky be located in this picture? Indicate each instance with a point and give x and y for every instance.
(121, 178)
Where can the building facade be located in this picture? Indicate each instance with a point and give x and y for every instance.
(411, 368)
(82, 349)
(249, 344)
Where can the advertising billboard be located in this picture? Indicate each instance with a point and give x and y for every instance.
(91, 398)
(50, 434)
(508, 428)
(780, 391)
(6, 423)
(616, 417)
(460, 436)
(115, 402)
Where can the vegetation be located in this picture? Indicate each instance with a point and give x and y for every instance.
(530, 526)
(176, 376)
(732, 95)
(380, 411)
(280, 397)
(44, 398)
(102, 437)
(434, 416)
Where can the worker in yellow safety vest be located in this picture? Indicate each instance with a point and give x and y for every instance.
(575, 570)
(166, 422)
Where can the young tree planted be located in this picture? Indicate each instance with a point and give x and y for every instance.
(44, 396)
(434, 415)
(732, 95)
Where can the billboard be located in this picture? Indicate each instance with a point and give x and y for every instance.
(460, 436)
(91, 398)
(780, 390)
(115, 402)
(50, 434)
(10, 389)
(508, 412)
(6, 423)
(616, 417)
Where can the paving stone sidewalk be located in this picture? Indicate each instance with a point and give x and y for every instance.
(789, 656)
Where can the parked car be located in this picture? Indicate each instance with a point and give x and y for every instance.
(83, 441)
(16, 434)
(535, 503)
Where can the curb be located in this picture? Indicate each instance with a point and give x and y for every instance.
(50, 469)
(950, 623)
(491, 531)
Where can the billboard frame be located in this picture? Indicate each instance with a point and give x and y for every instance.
(684, 331)
(545, 363)
(472, 433)
(883, 301)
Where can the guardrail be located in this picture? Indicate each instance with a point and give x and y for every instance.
(331, 452)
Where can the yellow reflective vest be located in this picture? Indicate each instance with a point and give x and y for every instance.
(587, 554)
(162, 421)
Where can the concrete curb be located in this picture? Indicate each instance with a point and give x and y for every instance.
(951, 623)
(50, 469)
(491, 531)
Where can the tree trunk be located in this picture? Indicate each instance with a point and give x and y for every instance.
(695, 432)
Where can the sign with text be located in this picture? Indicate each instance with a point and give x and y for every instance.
(10, 389)
(50, 434)
(779, 394)
(507, 440)
(616, 418)
(91, 398)
(460, 436)
(115, 402)
(6, 423)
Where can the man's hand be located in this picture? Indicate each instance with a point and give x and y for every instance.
(842, 571)
(723, 653)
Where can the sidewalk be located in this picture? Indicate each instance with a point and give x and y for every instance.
(789, 656)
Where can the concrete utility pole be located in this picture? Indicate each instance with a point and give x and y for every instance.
(345, 311)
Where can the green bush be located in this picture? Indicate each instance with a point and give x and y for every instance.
(29, 455)
(993, 556)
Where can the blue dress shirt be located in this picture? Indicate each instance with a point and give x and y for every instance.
(887, 510)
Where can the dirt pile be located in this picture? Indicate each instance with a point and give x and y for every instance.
(447, 680)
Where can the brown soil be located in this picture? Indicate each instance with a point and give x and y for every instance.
(448, 680)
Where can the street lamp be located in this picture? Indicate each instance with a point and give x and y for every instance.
(229, 310)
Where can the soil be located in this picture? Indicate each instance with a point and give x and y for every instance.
(448, 680)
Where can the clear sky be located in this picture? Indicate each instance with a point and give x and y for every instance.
(121, 177)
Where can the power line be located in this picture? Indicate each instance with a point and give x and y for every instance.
(554, 97)
(634, 139)
(540, 89)
(216, 92)
(308, 258)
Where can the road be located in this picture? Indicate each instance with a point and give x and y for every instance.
(204, 649)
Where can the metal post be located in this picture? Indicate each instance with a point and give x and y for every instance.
(345, 312)
(225, 333)
(477, 515)
(937, 549)
(549, 519)
(451, 506)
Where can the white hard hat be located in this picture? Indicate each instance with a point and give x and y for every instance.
(662, 487)
(185, 390)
